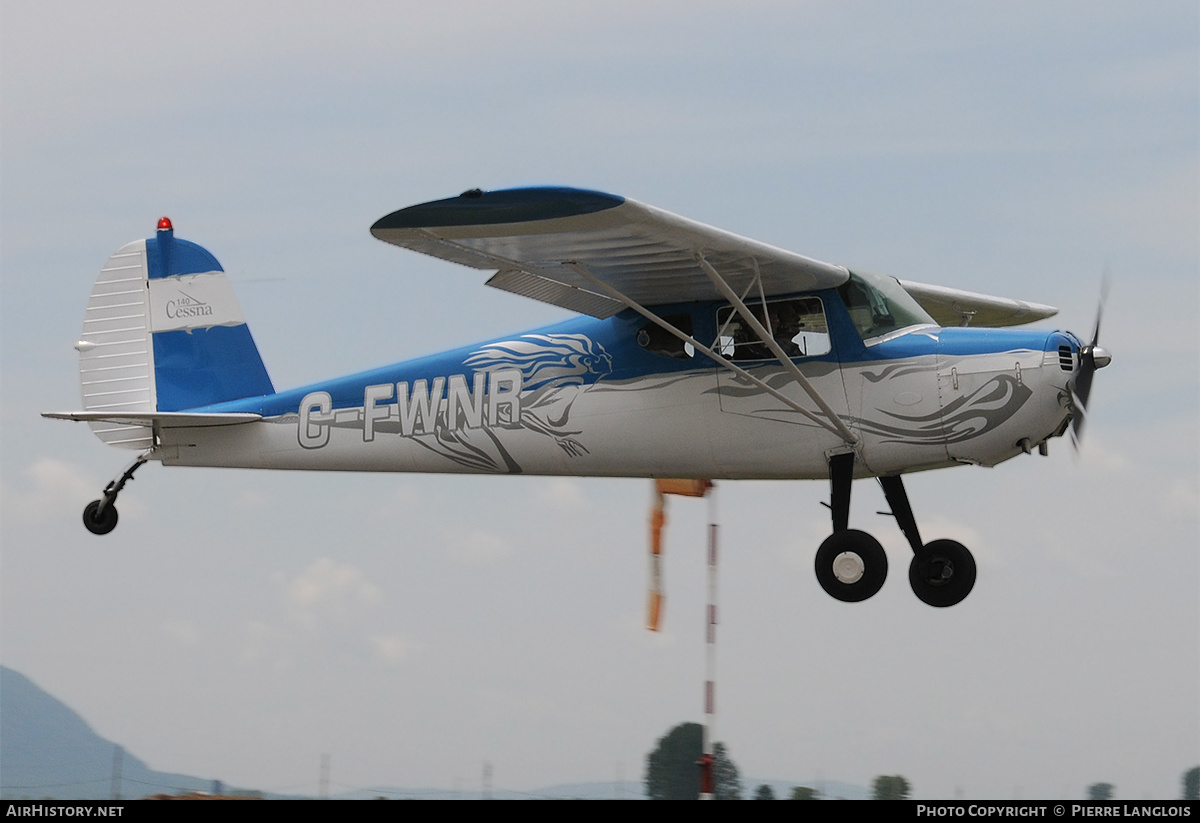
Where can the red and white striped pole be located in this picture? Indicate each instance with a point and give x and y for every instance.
(707, 785)
(658, 521)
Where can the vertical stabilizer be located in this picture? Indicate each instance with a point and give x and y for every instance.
(163, 332)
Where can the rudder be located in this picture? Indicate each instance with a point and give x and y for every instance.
(163, 332)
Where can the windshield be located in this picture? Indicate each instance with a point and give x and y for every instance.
(879, 306)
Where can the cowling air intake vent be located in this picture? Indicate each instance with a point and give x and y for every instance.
(1066, 360)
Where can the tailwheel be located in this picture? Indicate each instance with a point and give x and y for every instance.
(100, 516)
(942, 573)
(851, 565)
(99, 520)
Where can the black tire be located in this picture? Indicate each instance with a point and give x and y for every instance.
(99, 522)
(942, 574)
(867, 551)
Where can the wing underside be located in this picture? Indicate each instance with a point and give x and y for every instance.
(575, 248)
(954, 307)
(554, 244)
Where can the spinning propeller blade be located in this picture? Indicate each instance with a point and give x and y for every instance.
(1091, 357)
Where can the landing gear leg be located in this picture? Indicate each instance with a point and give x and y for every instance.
(841, 474)
(100, 516)
(942, 572)
(897, 498)
(851, 565)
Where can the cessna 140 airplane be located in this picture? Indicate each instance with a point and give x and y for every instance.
(701, 354)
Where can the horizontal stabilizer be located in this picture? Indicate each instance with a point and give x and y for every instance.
(161, 420)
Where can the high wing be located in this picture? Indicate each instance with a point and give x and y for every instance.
(539, 239)
(574, 248)
(954, 307)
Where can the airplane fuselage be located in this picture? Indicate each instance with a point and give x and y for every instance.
(610, 398)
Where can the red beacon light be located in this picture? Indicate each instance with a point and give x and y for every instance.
(164, 224)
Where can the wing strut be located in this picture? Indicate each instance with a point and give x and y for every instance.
(768, 340)
(833, 424)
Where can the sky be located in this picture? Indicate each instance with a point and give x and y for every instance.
(239, 625)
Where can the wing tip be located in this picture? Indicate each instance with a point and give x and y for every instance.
(475, 207)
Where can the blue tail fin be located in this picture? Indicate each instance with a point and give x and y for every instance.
(163, 332)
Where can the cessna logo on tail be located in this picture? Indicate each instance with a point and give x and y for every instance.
(186, 302)
(187, 306)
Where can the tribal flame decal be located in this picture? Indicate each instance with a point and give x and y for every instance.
(546, 360)
(984, 409)
(555, 370)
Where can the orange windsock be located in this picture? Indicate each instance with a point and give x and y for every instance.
(654, 613)
(658, 522)
(683, 488)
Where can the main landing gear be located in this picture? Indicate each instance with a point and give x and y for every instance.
(100, 516)
(851, 565)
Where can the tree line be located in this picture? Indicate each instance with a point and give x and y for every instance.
(673, 773)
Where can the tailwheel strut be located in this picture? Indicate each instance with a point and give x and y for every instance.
(100, 516)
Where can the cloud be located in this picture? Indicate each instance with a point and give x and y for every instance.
(475, 546)
(257, 640)
(561, 495)
(328, 609)
(1182, 498)
(392, 648)
(798, 551)
(327, 589)
(404, 498)
(50, 487)
(183, 632)
(251, 500)
(1101, 457)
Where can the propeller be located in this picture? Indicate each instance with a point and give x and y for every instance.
(1091, 357)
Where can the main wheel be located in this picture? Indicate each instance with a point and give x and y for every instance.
(99, 522)
(942, 573)
(851, 566)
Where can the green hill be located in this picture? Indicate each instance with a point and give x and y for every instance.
(47, 751)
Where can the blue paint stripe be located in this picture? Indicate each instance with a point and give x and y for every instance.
(167, 255)
(206, 366)
(967, 341)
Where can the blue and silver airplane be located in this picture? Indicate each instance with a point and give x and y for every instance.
(700, 354)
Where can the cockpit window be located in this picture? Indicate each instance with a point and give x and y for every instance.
(657, 340)
(797, 325)
(879, 306)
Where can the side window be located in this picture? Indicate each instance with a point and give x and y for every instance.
(797, 325)
(657, 340)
